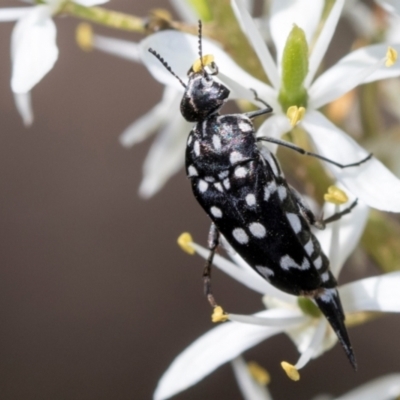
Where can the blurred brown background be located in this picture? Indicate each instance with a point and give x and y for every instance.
(96, 298)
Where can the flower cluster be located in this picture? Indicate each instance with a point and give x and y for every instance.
(285, 49)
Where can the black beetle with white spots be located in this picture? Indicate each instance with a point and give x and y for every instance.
(239, 184)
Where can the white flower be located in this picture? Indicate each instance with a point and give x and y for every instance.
(167, 152)
(33, 47)
(311, 335)
(372, 182)
(386, 387)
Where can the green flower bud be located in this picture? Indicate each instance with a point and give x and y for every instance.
(294, 70)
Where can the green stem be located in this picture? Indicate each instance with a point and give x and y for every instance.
(106, 17)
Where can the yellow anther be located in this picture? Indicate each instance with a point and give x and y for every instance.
(185, 242)
(291, 371)
(218, 315)
(84, 36)
(336, 196)
(295, 114)
(391, 57)
(207, 59)
(259, 373)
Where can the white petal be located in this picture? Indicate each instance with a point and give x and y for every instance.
(24, 107)
(314, 345)
(118, 47)
(216, 347)
(275, 126)
(384, 388)
(360, 66)
(323, 41)
(144, 126)
(380, 293)
(351, 228)
(285, 13)
(392, 6)
(242, 90)
(14, 13)
(251, 390)
(284, 318)
(245, 277)
(371, 182)
(302, 337)
(180, 50)
(165, 157)
(393, 29)
(256, 40)
(34, 49)
(89, 3)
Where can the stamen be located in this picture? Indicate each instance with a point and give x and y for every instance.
(295, 114)
(259, 373)
(185, 242)
(218, 315)
(200, 62)
(291, 371)
(336, 196)
(84, 36)
(391, 57)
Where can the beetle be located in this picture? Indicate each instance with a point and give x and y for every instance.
(240, 185)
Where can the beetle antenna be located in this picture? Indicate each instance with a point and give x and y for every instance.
(200, 47)
(163, 62)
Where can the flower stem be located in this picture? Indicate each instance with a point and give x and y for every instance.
(102, 16)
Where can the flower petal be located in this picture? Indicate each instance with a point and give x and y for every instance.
(313, 348)
(256, 40)
(118, 47)
(302, 336)
(167, 43)
(323, 41)
(283, 317)
(247, 277)
(13, 13)
(144, 126)
(216, 347)
(166, 156)
(285, 13)
(371, 182)
(264, 91)
(351, 228)
(380, 293)
(384, 388)
(33, 49)
(24, 107)
(360, 66)
(251, 390)
(275, 126)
